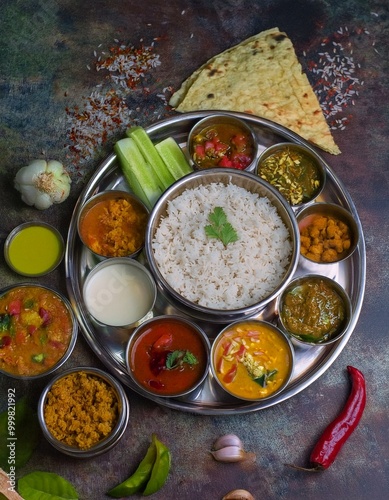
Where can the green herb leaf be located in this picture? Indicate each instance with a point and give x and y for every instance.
(178, 358)
(5, 321)
(46, 486)
(26, 433)
(220, 228)
(190, 358)
(262, 380)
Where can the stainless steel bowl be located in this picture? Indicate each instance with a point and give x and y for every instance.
(268, 332)
(279, 150)
(330, 210)
(222, 119)
(100, 197)
(30, 340)
(163, 322)
(249, 182)
(105, 444)
(299, 338)
(119, 292)
(34, 249)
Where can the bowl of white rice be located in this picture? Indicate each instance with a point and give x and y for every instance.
(222, 244)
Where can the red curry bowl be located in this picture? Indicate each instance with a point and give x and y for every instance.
(168, 356)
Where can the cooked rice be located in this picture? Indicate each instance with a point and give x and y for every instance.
(205, 272)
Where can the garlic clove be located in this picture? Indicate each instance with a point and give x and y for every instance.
(227, 440)
(228, 454)
(233, 454)
(238, 495)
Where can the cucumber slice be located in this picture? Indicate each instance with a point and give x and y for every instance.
(151, 155)
(137, 172)
(174, 158)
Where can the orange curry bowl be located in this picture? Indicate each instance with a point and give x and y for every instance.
(252, 360)
(113, 224)
(38, 330)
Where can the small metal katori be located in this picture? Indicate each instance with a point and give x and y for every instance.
(106, 443)
(310, 362)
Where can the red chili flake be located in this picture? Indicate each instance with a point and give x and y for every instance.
(106, 111)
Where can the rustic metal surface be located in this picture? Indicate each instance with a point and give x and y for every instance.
(46, 49)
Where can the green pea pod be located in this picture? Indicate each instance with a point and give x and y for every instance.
(140, 477)
(161, 468)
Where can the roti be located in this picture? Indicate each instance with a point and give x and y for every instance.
(261, 76)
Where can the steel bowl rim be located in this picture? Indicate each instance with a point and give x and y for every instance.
(16, 230)
(338, 288)
(302, 214)
(105, 444)
(320, 164)
(90, 202)
(180, 319)
(202, 312)
(131, 262)
(73, 338)
(279, 332)
(202, 123)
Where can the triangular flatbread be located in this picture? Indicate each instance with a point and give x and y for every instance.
(261, 76)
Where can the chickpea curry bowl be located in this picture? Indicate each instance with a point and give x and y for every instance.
(83, 412)
(38, 330)
(328, 233)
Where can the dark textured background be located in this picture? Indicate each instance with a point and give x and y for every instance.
(45, 50)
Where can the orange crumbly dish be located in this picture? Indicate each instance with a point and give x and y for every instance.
(81, 410)
(325, 239)
(115, 228)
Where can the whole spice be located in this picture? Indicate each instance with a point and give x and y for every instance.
(229, 448)
(43, 183)
(338, 431)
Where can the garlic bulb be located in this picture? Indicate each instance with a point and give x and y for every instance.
(238, 495)
(43, 183)
(229, 454)
(229, 448)
(227, 440)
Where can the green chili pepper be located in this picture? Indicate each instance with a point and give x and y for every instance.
(140, 477)
(161, 468)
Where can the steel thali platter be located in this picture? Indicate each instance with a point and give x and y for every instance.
(109, 344)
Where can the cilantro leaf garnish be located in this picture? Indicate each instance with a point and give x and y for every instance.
(220, 228)
(178, 358)
(262, 380)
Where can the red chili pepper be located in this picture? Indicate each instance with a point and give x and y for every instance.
(340, 429)
(230, 375)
